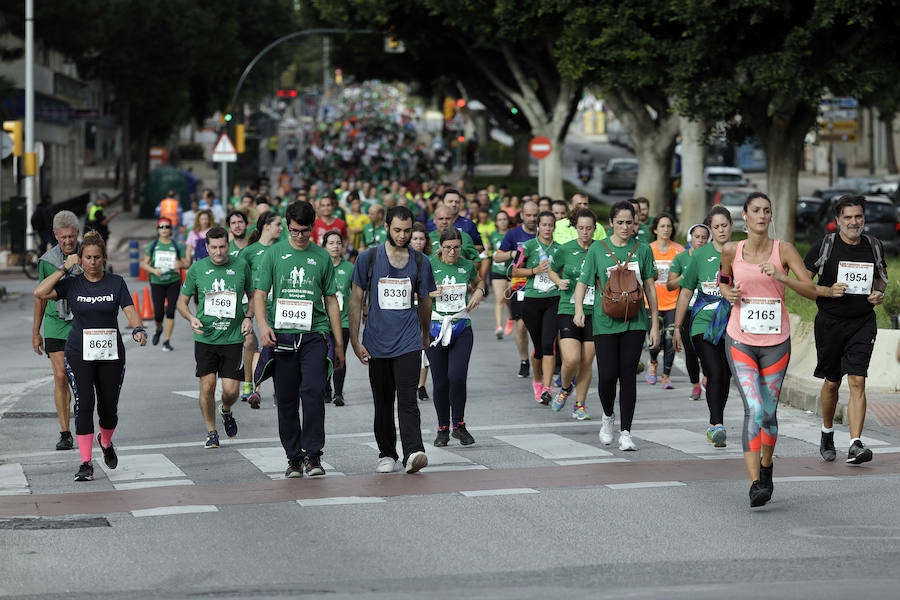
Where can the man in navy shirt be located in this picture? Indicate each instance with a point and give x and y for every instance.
(396, 332)
(512, 242)
(452, 200)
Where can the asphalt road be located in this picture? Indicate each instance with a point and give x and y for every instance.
(537, 507)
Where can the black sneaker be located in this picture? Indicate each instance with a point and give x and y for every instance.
(462, 434)
(826, 447)
(313, 466)
(109, 454)
(294, 468)
(759, 494)
(423, 394)
(85, 472)
(65, 441)
(858, 454)
(156, 336)
(546, 398)
(167, 347)
(327, 396)
(443, 436)
(523, 368)
(228, 421)
(338, 400)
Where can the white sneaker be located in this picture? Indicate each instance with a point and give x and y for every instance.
(386, 464)
(606, 429)
(416, 462)
(625, 443)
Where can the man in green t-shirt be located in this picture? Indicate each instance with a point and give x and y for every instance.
(374, 232)
(443, 218)
(295, 333)
(219, 282)
(237, 232)
(57, 321)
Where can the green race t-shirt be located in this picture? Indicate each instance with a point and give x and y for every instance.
(163, 256)
(501, 269)
(568, 265)
(252, 255)
(54, 327)
(343, 274)
(540, 285)
(373, 236)
(234, 250)
(453, 283)
(299, 279)
(220, 290)
(701, 274)
(597, 266)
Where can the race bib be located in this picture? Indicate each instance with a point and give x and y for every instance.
(662, 267)
(219, 304)
(452, 299)
(520, 295)
(164, 260)
(293, 314)
(761, 315)
(588, 297)
(632, 266)
(542, 282)
(858, 276)
(711, 288)
(340, 299)
(99, 344)
(394, 294)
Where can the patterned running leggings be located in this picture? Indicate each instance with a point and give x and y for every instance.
(759, 371)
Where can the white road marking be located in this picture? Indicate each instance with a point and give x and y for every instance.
(500, 492)
(444, 468)
(811, 433)
(174, 510)
(799, 478)
(141, 485)
(11, 392)
(272, 461)
(143, 466)
(436, 456)
(12, 480)
(552, 446)
(683, 440)
(591, 461)
(643, 484)
(340, 500)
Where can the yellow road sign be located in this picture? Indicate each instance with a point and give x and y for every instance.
(837, 137)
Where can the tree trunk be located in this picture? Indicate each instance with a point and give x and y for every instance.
(125, 156)
(553, 181)
(891, 154)
(143, 151)
(521, 156)
(693, 156)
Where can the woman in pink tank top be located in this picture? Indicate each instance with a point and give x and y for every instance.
(752, 276)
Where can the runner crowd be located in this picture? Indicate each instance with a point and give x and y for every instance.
(360, 248)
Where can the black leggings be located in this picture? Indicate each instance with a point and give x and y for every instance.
(539, 315)
(691, 360)
(617, 360)
(718, 376)
(338, 375)
(449, 371)
(160, 292)
(665, 341)
(100, 379)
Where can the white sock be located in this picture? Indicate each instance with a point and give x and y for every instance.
(855, 440)
(827, 429)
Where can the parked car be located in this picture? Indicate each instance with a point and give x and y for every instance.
(828, 193)
(724, 176)
(807, 223)
(881, 222)
(733, 199)
(619, 174)
(859, 185)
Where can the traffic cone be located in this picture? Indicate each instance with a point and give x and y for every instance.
(137, 305)
(147, 312)
(142, 275)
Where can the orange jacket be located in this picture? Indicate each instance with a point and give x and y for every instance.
(168, 208)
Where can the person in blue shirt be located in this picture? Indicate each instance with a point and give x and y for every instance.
(453, 201)
(396, 333)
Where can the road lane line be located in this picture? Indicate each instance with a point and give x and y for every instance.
(143, 466)
(174, 510)
(340, 500)
(644, 484)
(552, 446)
(12, 480)
(500, 492)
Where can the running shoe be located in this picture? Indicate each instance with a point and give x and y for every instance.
(327, 395)
(109, 455)
(294, 468)
(462, 434)
(228, 421)
(546, 397)
(442, 437)
(423, 394)
(338, 400)
(313, 466)
(156, 337)
(523, 369)
(167, 347)
(510, 326)
(579, 412)
(212, 439)
(625, 442)
(85, 472)
(667, 383)
(606, 429)
(560, 399)
(719, 437)
(858, 454)
(386, 464)
(65, 441)
(499, 333)
(759, 494)
(709, 433)
(538, 388)
(695, 393)
(416, 462)
(253, 399)
(651, 372)
(826, 447)
(246, 390)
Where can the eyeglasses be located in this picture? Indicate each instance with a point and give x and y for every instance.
(164, 227)
(300, 232)
(451, 248)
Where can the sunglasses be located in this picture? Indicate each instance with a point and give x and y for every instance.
(164, 227)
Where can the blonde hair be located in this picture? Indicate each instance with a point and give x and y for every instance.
(92, 238)
(207, 212)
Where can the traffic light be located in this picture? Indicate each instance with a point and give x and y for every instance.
(227, 117)
(461, 103)
(338, 77)
(449, 108)
(15, 130)
(514, 110)
(287, 93)
(240, 138)
(461, 139)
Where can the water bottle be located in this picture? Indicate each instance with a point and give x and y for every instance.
(542, 256)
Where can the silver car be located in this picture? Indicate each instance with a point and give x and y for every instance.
(619, 174)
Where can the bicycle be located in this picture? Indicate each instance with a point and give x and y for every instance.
(30, 260)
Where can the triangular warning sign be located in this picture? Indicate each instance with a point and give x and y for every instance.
(224, 145)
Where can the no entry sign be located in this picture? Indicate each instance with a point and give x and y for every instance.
(540, 147)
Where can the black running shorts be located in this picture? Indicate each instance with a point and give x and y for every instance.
(844, 346)
(225, 360)
(568, 329)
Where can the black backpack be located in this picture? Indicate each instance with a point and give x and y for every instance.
(877, 250)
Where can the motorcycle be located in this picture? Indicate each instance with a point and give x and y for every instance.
(585, 173)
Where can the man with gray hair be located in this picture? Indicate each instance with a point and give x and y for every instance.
(57, 319)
